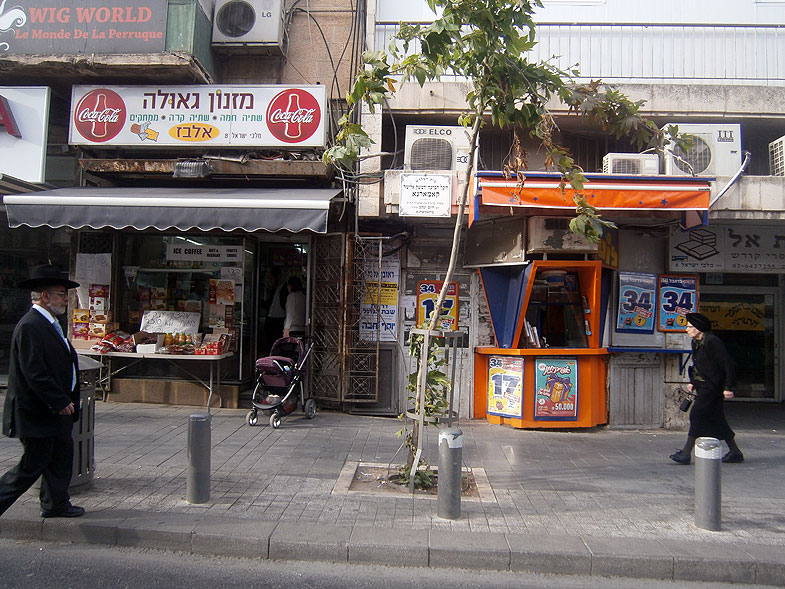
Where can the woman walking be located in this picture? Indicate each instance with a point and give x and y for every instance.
(712, 379)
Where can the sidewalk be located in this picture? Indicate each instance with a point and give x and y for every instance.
(602, 502)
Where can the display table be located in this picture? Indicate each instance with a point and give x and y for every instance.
(179, 361)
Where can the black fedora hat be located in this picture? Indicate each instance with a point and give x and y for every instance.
(46, 275)
(699, 321)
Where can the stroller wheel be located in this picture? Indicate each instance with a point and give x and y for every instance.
(275, 420)
(252, 418)
(309, 408)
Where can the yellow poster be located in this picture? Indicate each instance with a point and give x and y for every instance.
(735, 315)
(427, 295)
(389, 294)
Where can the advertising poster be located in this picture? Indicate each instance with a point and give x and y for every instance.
(505, 386)
(380, 302)
(427, 294)
(556, 383)
(637, 293)
(678, 295)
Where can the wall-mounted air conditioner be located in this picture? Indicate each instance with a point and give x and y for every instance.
(638, 164)
(552, 234)
(715, 151)
(430, 147)
(777, 157)
(248, 26)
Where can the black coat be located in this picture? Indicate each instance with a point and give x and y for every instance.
(717, 372)
(39, 381)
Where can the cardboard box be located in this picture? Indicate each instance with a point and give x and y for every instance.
(151, 347)
(81, 316)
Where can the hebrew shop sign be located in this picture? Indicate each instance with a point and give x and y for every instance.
(61, 27)
(196, 116)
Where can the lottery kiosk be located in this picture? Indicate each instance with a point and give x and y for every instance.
(549, 370)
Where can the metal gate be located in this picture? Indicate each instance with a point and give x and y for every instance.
(345, 367)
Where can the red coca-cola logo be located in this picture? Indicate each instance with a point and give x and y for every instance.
(100, 115)
(293, 116)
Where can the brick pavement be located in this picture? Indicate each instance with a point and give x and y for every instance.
(605, 489)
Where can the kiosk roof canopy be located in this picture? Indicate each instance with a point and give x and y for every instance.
(249, 209)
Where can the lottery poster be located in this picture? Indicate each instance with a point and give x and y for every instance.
(556, 383)
(678, 295)
(427, 295)
(505, 386)
(637, 295)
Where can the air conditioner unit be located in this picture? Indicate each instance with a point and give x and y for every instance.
(248, 26)
(638, 164)
(715, 151)
(430, 147)
(552, 234)
(777, 157)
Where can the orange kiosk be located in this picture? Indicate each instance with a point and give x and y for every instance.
(549, 371)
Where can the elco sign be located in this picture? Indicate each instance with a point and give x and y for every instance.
(146, 116)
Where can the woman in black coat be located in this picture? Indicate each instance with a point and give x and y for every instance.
(712, 379)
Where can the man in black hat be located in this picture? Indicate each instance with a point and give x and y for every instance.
(42, 403)
(712, 379)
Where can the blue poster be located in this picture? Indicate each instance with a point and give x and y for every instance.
(637, 295)
(678, 296)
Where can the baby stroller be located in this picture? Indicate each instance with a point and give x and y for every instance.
(277, 377)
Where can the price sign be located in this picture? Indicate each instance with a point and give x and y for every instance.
(556, 383)
(678, 295)
(505, 386)
(637, 294)
(170, 322)
(427, 294)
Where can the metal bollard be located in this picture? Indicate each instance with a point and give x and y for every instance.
(448, 501)
(197, 488)
(708, 491)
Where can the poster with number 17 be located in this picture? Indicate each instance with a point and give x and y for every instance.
(678, 295)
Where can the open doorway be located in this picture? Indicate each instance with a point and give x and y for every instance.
(744, 318)
(278, 261)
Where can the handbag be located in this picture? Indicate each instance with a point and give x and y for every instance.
(686, 401)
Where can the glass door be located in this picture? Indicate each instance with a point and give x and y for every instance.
(745, 320)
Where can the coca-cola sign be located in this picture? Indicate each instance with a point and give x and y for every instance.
(100, 115)
(191, 117)
(293, 115)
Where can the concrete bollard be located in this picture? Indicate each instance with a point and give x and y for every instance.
(448, 501)
(197, 488)
(708, 490)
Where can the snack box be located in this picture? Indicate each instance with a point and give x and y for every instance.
(97, 329)
(81, 316)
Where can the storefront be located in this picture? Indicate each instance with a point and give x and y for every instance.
(166, 260)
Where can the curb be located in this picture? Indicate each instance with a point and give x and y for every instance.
(543, 554)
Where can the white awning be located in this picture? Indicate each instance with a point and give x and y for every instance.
(250, 209)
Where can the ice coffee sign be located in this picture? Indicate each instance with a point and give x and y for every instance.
(194, 116)
(64, 27)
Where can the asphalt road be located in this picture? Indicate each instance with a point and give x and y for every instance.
(34, 565)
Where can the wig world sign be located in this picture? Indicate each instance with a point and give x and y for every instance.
(60, 27)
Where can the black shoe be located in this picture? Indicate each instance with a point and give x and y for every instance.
(732, 457)
(680, 457)
(70, 511)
